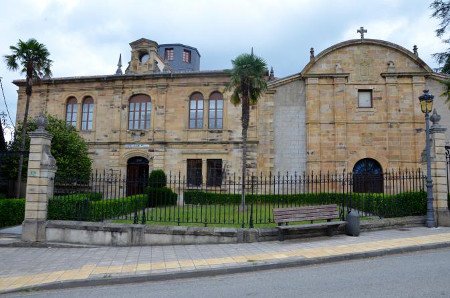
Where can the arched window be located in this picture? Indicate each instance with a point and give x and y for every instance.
(215, 111)
(71, 111)
(87, 115)
(139, 112)
(196, 110)
(367, 176)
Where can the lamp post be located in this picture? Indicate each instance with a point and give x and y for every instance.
(426, 105)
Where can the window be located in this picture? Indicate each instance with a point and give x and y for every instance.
(215, 111)
(187, 56)
(168, 54)
(87, 113)
(139, 112)
(194, 172)
(364, 98)
(196, 111)
(71, 111)
(214, 172)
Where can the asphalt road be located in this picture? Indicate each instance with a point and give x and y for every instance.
(421, 274)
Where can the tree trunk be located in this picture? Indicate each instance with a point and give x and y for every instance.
(245, 122)
(22, 141)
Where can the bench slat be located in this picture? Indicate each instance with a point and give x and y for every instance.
(320, 212)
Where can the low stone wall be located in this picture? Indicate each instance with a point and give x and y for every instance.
(90, 233)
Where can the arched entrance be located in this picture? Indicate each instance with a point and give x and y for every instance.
(137, 175)
(368, 176)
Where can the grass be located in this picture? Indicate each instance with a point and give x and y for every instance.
(211, 216)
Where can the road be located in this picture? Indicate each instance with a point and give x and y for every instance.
(421, 274)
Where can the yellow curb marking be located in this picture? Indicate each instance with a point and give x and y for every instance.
(89, 270)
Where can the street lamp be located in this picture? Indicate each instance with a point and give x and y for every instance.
(426, 105)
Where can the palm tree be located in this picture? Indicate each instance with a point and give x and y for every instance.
(247, 83)
(33, 59)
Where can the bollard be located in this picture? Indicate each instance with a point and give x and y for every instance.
(352, 226)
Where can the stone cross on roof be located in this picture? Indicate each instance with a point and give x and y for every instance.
(361, 31)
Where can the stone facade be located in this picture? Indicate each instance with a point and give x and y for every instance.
(310, 121)
(339, 130)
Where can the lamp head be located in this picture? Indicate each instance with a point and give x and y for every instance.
(426, 102)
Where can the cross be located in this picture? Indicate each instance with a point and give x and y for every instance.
(361, 31)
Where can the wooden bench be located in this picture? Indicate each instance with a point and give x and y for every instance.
(283, 216)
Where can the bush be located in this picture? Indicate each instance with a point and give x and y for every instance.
(403, 204)
(161, 197)
(12, 212)
(157, 179)
(114, 208)
(82, 208)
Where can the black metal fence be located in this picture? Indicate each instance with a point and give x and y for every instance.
(107, 197)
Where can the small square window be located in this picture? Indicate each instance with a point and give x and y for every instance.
(364, 98)
(187, 56)
(168, 54)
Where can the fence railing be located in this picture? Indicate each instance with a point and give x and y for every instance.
(114, 198)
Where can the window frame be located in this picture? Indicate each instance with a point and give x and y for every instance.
(88, 122)
(169, 54)
(213, 112)
(139, 119)
(214, 172)
(194, 175)
(198, 122)
(360, 92)
(187, 56)
(72, 103)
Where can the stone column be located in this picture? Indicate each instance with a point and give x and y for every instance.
(40, 181)
(438, 171)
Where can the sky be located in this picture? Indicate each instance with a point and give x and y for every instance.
(85, 37)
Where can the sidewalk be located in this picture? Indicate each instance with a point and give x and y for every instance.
(34, 267)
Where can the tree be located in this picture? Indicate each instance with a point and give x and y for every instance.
(441, 11)
(247, 83)
(33, 59)
(68, 148)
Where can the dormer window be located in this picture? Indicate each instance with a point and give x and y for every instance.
(168, 54)
(143, 58)
(187, 56)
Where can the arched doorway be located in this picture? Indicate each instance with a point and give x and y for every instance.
(368, 176)
(137, 175)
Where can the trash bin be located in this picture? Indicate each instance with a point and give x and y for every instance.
(352, 226)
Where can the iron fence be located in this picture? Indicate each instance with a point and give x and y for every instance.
(111, 197)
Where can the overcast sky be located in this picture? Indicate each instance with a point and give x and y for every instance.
(86, 37)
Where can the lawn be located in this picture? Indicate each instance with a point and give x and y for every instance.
(211, 215)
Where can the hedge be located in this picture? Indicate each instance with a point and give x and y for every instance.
(12, 212)
(161, 196)
(403, 204)
(81, 208)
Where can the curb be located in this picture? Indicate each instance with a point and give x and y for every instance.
(222, 271)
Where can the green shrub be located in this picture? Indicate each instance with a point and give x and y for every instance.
(114, 208)
(403, 204)
(67, 207)
(12, 212)
(161, 197)
(157, 179)
(91, 196)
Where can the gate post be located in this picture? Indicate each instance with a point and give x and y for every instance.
(40, 182)
(439, 171)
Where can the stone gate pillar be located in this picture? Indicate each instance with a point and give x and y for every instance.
(438, 171)
(41, 172)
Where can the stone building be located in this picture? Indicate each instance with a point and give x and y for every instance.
(155, 115)
(353, 106)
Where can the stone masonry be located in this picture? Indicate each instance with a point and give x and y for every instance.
(41, 172)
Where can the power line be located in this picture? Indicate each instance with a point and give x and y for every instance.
(4, 99)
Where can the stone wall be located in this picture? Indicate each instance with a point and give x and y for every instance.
(169, 141)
